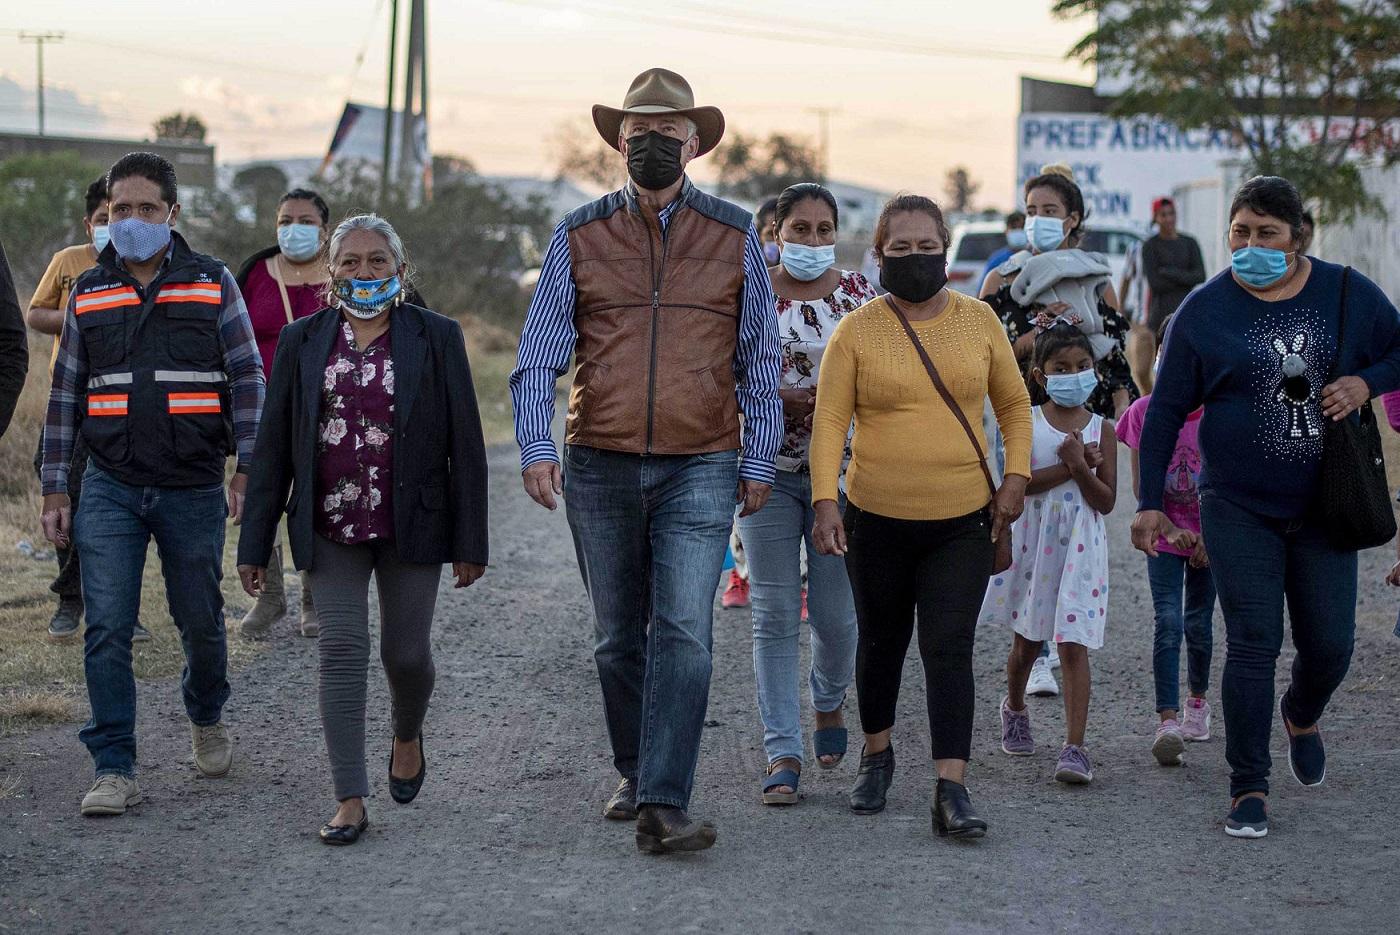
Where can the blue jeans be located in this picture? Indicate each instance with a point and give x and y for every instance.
(1166, 575)
(773, 539)
(114, 524)
(1258, 563)
(650, 534)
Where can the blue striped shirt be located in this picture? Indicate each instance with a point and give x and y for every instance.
(548, 341)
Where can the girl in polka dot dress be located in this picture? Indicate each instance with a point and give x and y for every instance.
(1057, 586)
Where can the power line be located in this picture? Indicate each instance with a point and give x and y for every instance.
(40, 39)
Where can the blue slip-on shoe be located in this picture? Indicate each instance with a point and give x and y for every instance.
(1307, 757)
(1248, 819)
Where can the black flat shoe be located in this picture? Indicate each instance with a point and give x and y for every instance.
(623, 804)
(342, 835)
(404, 791)
(953, 815)
(873, 781)
(662, 829)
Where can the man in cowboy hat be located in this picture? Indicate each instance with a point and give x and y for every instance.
(660, 292)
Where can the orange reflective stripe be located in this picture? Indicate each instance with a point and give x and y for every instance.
(106, 298)
(109, 404)
(179, 403)
(207, 293)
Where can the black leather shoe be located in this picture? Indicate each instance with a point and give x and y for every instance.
(953, 815)
(406, 790)
(623, 804)
(663, 829)
(341, 835)
(876, 773)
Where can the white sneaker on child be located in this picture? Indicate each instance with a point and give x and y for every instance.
(1042, 680)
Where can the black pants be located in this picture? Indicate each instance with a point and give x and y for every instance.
(939, 568)
(68, 583)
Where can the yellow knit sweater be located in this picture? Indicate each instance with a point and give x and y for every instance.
(910, 457)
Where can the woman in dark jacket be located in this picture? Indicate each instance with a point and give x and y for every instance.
(371, 423)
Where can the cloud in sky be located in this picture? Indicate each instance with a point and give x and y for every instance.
(65, 111)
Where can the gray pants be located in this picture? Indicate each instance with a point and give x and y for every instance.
(407, 595)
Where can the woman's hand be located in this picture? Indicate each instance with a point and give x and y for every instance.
(1199, 558)
(1149, 526)
(466, 573)
(798, 403)
(1008, 504)
(828, 530)
(1393, 579)
(1342, 398)
(254, 577)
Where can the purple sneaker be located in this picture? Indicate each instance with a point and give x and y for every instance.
(1169, 745)
(1016, 731)
(1073, 766)
(1195, 726)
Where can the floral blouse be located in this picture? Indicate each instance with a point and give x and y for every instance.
(355, 442)
(804, 328)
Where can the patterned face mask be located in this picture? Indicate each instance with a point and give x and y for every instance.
(368, 298)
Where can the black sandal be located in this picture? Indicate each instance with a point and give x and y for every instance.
(404, 791)
(342, 835)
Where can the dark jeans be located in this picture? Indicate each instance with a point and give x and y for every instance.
(1258, 563)
(650, 534)
(68, 583)
(1169, 575)
(939, 568)
(111, 533)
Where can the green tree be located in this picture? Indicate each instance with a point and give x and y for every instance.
(960, 188)
(1257, 68)
(753, 169)
(581, 155)
(180, 128)
(41, 209)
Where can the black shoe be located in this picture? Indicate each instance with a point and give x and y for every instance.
(63, 626)
(341, 835)
(404, 791)
(1307, 758)
(953, 815)
(663, 829)
(876, 773)
(623, 804)
(1248, 819)
(140, 634)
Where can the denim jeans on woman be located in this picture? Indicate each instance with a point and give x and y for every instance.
(1258, 563)
(1183, 601)
(773, 538)
(650, 534)
(113, 526)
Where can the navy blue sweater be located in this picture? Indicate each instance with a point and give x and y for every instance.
(1259, 369)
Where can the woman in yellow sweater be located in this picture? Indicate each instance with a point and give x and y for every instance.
(920, 529)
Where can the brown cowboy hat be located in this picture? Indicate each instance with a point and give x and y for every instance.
(658, 91)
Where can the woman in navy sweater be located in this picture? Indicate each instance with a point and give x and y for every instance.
(1256, 345)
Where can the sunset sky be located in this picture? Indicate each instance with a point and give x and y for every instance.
(916, 86)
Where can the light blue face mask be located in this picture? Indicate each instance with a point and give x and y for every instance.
(100, 237)
(807, 263)
(1259, 267)
(299, 242)
(1071, 389)
(136, 240)
(1044, 233)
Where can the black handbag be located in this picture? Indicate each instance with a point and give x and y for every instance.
(1354, 495)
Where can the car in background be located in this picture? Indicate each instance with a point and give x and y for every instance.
(974, 242)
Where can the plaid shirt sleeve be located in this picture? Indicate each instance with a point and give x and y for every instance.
(70, 373)
(243, 365)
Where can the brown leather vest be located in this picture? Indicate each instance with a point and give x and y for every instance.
(658, 324)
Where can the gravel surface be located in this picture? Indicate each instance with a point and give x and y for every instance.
(507, 834)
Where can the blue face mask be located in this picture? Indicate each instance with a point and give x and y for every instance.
(1044, 233)
(1071, 389)
(1259, 267)
(136, 240)
(100, 237)
(771, 252)
(299, 242)
(807, 263)
(367, 298)
(1016, 238)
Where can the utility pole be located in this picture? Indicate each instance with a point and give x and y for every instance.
(824, 136)
(39, 38)
(389, 102)
(413, 175)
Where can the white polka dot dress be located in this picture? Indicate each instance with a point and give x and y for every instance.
(1057, 585)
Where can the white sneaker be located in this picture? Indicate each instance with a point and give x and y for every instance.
(1054, 658)
(1042, 680)
(213, 750)
(111, 795)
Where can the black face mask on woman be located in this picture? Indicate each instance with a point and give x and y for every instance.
(654, 160)
(914, 277)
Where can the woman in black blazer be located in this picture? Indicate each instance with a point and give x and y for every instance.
(371, 425)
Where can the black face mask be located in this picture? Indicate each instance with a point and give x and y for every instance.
(654, 160)
(914, 277)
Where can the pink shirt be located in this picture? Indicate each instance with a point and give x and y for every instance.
(269, 315)
(1181, 496)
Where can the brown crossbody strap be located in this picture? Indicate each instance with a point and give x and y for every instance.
(943, 390)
